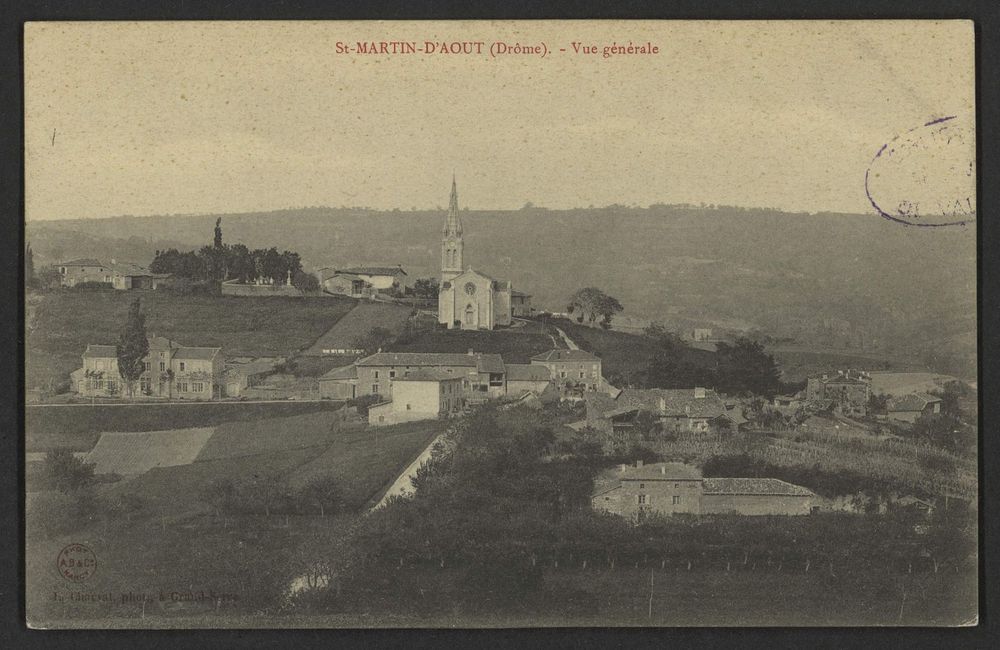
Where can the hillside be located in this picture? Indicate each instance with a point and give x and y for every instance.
(847, 282)
(66, 321)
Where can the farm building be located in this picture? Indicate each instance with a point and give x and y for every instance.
(680, 410)
(422, 395)
(676, 488)
(242, 373)
(362, 281)
(910, 407)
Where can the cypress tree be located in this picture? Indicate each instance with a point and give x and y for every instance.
(132, 346)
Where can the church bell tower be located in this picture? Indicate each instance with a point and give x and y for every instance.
(452, 246)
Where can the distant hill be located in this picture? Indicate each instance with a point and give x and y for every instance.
(838, 281)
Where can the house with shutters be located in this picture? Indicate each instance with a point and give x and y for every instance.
(571, 368)
(171, 371)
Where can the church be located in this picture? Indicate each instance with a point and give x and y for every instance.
(468, 299)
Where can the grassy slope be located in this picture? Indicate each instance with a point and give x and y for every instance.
(358, 322)
(623, 354)
(66, 321)
(515, 345)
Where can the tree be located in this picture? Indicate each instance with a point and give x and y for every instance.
(305, 281)
(67, 472)
(217, 243)
(426, 288)
(133, 346)
(323, 492)
(374, 340)
(590, 303)
(746, 368)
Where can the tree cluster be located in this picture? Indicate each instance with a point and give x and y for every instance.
(221, 262)
(590, 303)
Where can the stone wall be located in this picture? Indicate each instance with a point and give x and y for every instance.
(237, 289)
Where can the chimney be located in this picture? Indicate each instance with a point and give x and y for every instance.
(699, 393)
(638, 463)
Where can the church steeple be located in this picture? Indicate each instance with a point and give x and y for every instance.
(453, 225)
(452, 246)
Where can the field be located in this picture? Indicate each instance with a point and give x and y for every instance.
(57, 425)
(65, 321)
(357, 322)
(515, 345)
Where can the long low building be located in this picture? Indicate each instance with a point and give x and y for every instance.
(676, 488)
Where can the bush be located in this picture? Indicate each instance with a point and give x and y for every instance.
(363, 403)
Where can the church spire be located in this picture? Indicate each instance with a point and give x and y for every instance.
(452, 245)
(453, 225)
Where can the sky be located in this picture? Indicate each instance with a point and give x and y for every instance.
(184, 118)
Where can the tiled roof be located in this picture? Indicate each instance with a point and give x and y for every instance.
(344, 372)
(675, 402)
(100, 351)
(87, 261)
(911, 402)
(565, 355)
(373, 270)
(753, 486)
(526, 372)
(418, 359)
(844, 379)
(662, 472)
(428, 374)
(492, 363)
(196, 353)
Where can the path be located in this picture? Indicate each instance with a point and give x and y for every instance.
(403, 485)
(569, 342)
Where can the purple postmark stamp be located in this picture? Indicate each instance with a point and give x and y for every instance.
(926, 176)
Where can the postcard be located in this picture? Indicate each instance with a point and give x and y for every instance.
(490, 324)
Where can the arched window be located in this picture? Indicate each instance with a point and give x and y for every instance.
(469, 313)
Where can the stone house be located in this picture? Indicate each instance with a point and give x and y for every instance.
(570, 368)
(76, 272)
(243, 373)
(424, 394)
(172, 371)
(676, 488)
(849, 391)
